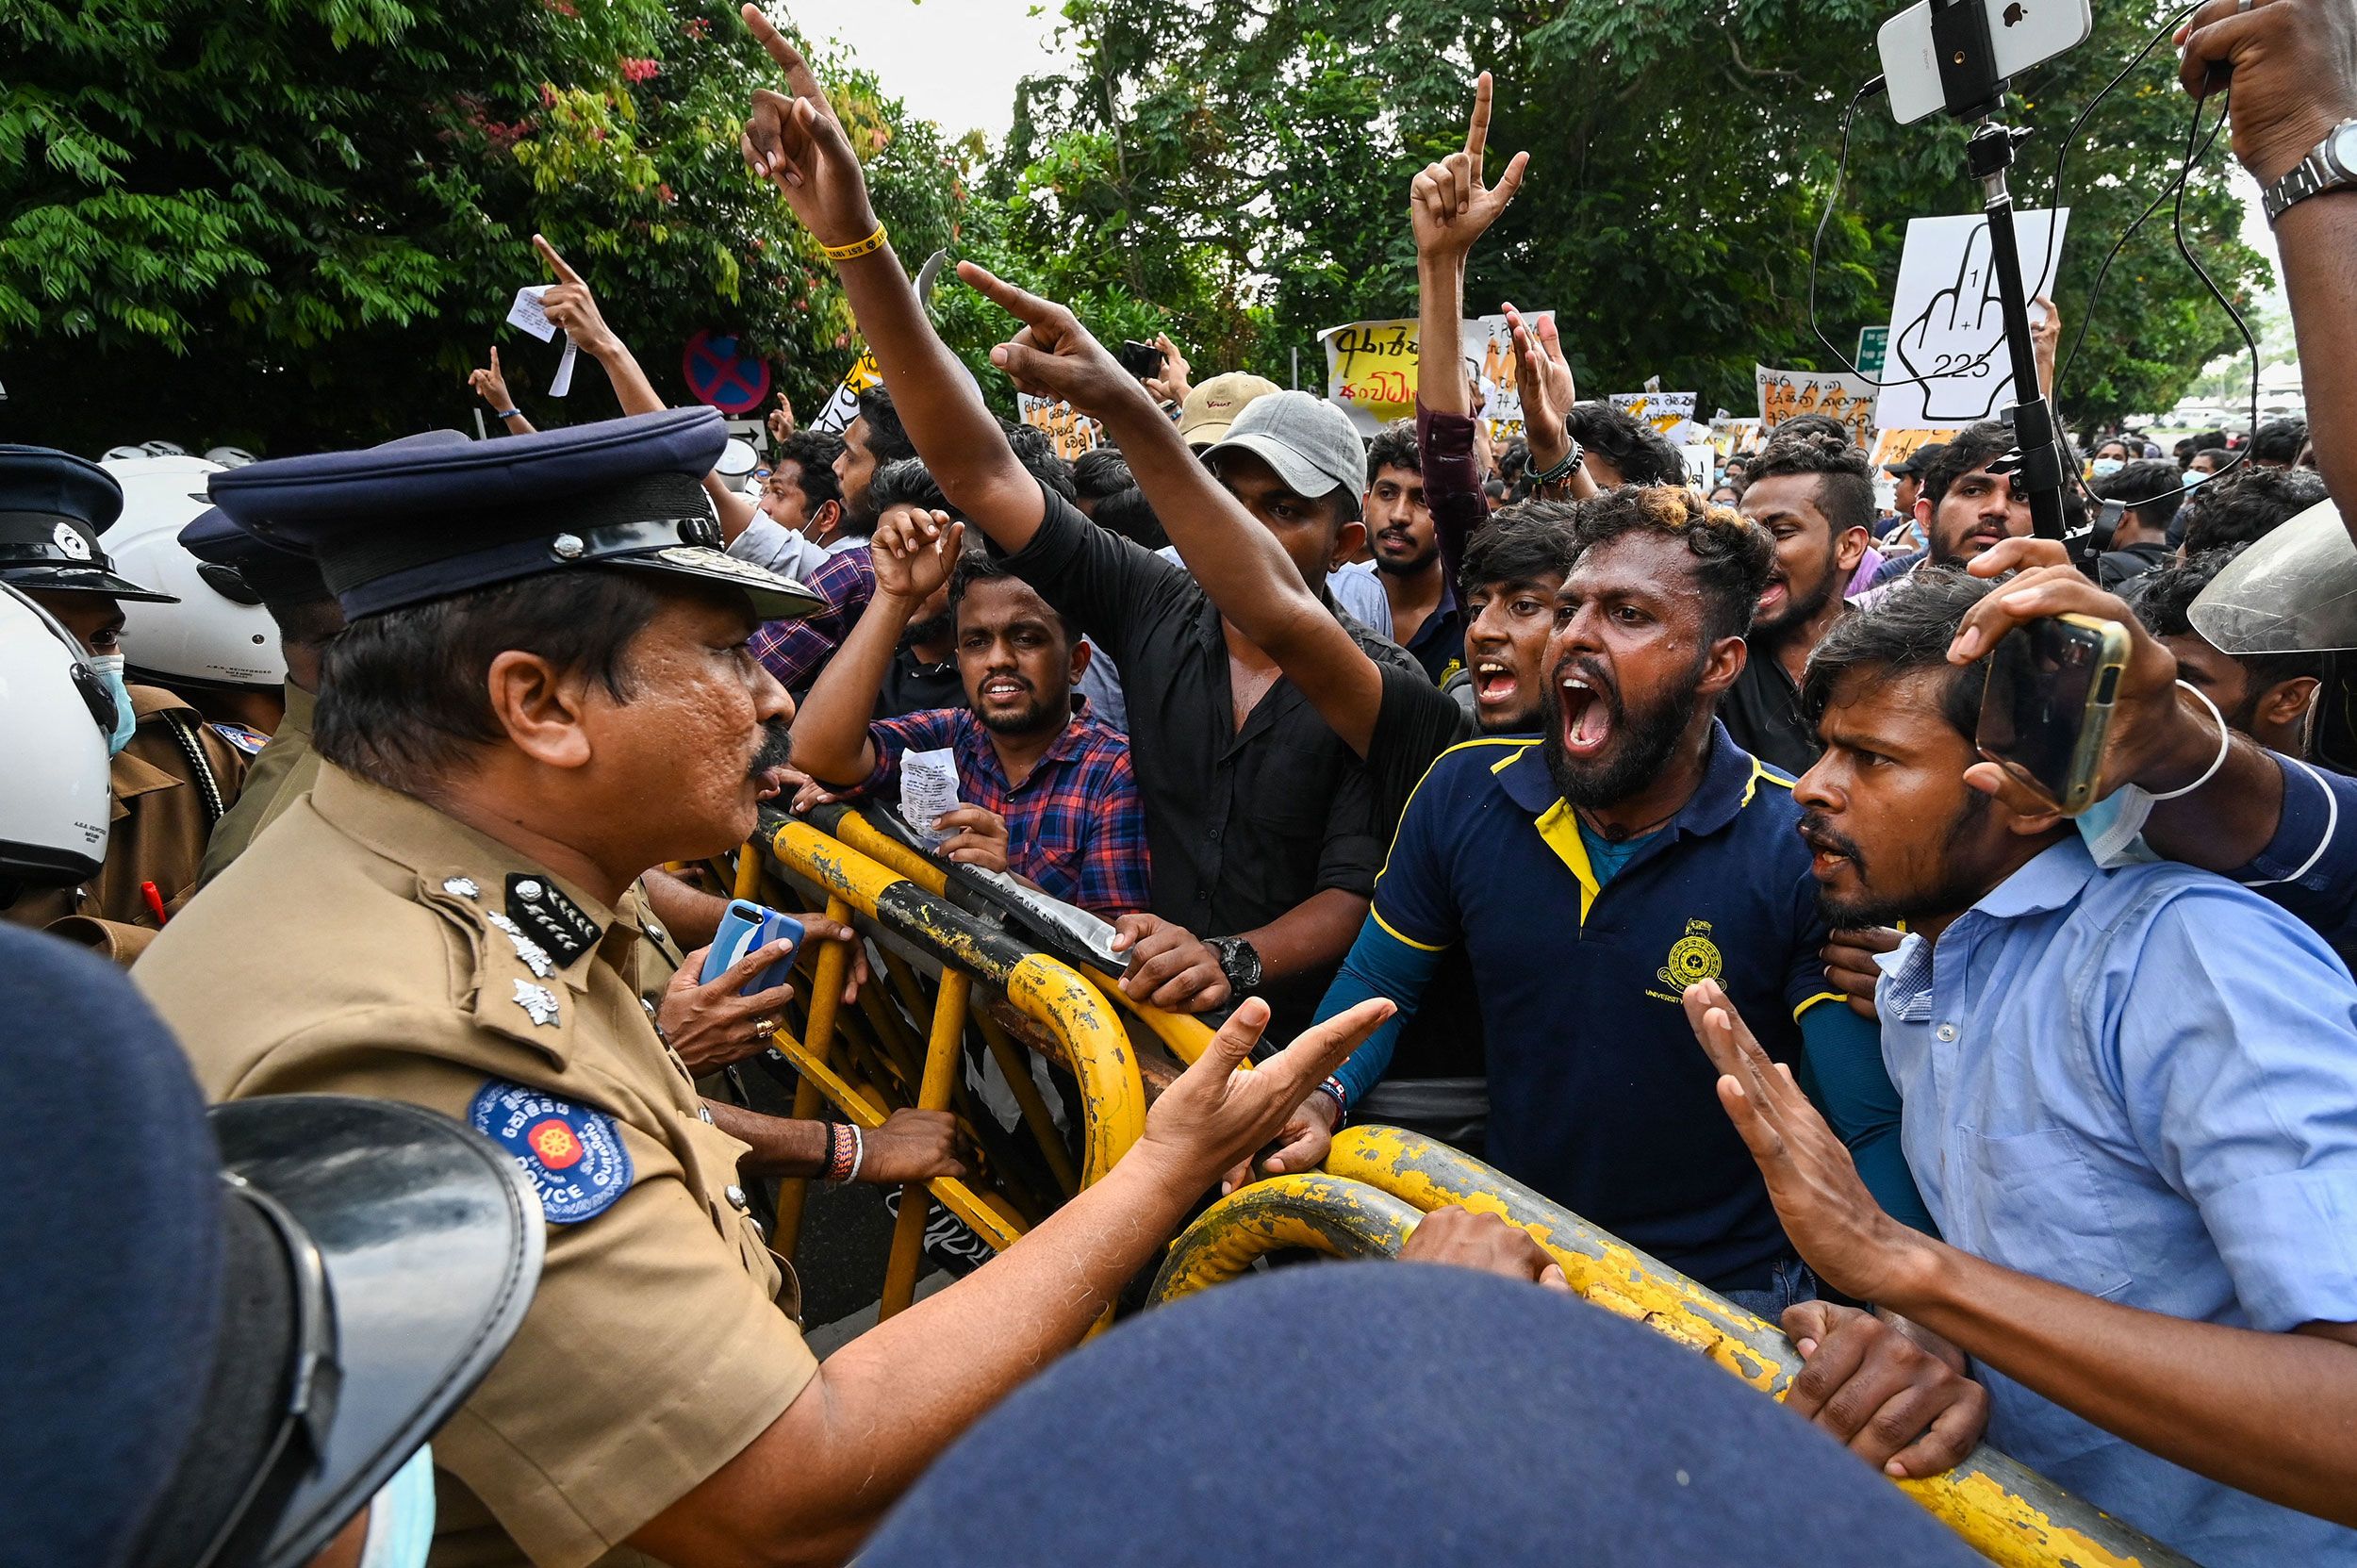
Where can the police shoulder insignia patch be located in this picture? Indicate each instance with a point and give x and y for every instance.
(575, 1156)
(247, 740)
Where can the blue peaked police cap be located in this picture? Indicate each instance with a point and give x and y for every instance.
(248, 568)
(435, 515)
(52, 508)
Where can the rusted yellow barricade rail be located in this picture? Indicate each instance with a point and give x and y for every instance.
(1185, 1036)
(1378, 1182)
(902, 1044)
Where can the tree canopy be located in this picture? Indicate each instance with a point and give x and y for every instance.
(299, 225)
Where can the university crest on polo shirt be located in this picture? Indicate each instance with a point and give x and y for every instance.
(1694, 958)
(574, 1155)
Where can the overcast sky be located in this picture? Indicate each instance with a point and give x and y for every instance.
(956, 61)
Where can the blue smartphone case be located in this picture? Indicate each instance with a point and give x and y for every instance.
(747, 926)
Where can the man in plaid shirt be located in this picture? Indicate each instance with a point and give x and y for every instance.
(792, 650)
(1046, 792)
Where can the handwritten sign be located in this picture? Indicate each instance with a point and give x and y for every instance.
(1073, 433)
(1848, 398)
(1897, 446)
(1948, 365)
(843, 407)
(1668, 413)
(1371, 371)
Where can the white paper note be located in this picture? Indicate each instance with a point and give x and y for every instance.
(527, 312)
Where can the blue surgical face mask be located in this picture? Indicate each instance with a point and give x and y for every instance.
(2103, 468)
(2196, 476)
(400, 1517)
(110, 666)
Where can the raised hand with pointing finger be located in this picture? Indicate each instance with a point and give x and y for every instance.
(1451, 204)
(797, 144)
(572, 307)
(1054, 356)
(491, 387)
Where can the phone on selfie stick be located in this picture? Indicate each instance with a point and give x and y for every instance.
(2048, 704)
(1959, 57)
(747, 928)
(1142, 360)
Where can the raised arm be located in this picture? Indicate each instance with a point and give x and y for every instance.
(797, 144)
(1449, 207)
(2295, 78)
(832, 742)
(1238, 562)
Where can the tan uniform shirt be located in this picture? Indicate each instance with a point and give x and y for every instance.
(164, 809)
(367, 945)
(275, 781)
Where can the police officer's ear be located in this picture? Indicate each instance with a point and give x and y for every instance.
(542, 708)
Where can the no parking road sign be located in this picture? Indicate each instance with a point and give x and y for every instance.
(718, 374)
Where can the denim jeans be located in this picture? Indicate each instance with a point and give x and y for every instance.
(1792, 1282)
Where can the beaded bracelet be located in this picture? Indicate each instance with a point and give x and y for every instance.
(857, 248)
(507, 413)
(1562, 469)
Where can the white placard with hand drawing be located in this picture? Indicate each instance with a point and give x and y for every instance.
(1948, 326)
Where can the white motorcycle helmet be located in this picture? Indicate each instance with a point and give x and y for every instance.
(56, 713)
(228, 457)
(218, 634)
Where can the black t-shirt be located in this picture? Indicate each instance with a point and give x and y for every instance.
(1416, 723)
(912, 685)
(1762, 711)
(1242, 825)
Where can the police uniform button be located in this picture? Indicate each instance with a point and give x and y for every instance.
(735, 1195)
(568, 547)
(528, 889)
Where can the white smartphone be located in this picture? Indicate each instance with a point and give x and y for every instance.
(2022, 34)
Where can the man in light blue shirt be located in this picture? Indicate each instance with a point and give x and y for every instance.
(2128, 1100)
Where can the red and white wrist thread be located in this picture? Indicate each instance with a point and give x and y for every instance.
(847, 1152)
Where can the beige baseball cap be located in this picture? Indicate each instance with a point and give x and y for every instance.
(1210, 408)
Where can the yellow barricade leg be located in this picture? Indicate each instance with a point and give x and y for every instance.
(828, 972)
(941, 1062)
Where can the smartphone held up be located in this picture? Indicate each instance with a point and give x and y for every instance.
(2048, 705)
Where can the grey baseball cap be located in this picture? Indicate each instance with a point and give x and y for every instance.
(1309, 442)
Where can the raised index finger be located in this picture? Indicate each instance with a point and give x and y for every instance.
(1020, 302)
(564, 272)
(1477, 129)
(789, 59)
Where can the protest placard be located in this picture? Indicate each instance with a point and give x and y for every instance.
(1667, 412)
(843, 407)
(1896, 446)
(1073, 433)
(1948, 364)
(1847, 398)
(1371, 370)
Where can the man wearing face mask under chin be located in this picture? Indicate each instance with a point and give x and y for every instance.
(172, 775)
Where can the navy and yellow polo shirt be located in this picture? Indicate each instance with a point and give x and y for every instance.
(1599, 1096)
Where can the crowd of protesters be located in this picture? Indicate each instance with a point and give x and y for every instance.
(1654, 812)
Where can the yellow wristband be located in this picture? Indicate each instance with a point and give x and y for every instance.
(868, 246)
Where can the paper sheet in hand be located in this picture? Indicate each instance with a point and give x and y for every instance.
(1947, 326)
(528, 313)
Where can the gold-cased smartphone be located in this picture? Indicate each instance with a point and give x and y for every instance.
(2048, 704)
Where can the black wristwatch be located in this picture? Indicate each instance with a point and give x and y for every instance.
(1240, 962)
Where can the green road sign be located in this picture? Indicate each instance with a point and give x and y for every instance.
(1871, 344)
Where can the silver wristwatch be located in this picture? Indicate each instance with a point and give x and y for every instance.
(2332, 166)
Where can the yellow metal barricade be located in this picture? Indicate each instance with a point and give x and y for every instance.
(868, 1061)
(1378, 1180)
(1184, 1035)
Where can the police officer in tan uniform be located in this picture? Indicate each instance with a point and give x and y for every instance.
(287, 583)
(174, 775)
(545, 688)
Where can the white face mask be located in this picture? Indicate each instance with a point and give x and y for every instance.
(401, 1516)
(2106, 467)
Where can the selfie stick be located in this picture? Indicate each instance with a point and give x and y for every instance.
(1973, 91)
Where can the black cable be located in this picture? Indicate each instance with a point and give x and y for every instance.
(1816, 244)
